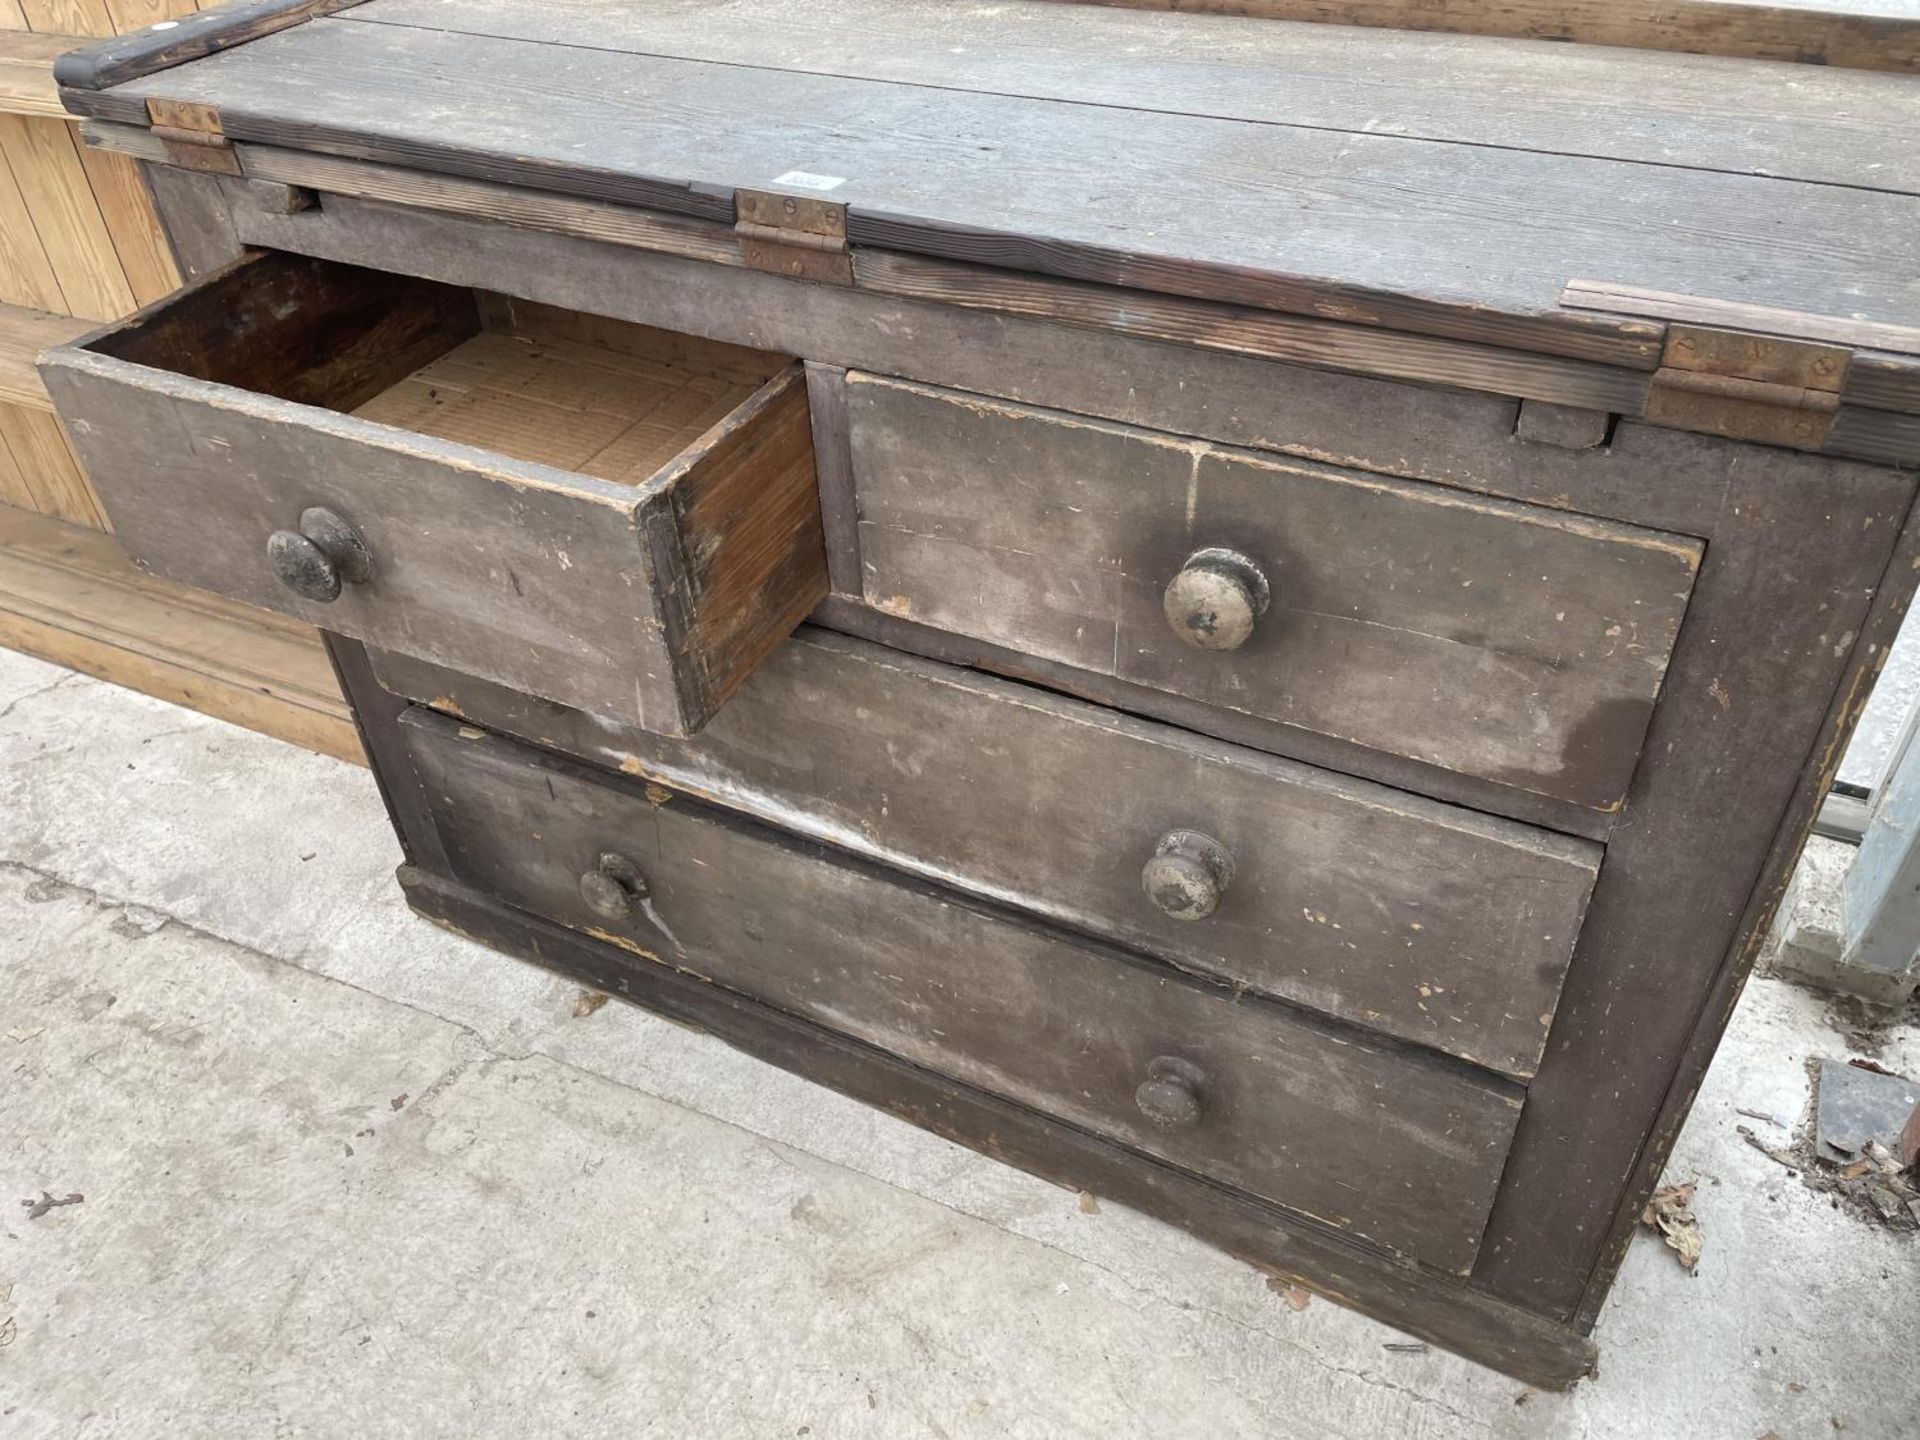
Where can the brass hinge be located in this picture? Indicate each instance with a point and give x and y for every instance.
(190, 133)
(1748, 387)
(793, 235)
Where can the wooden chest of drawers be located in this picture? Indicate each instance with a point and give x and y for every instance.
(1320, 648)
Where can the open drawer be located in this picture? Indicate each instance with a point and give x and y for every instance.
(609, 516)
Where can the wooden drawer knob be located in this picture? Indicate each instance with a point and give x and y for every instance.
(1173, 1094)
(314, 560)
(1187, 874)
(1214, 600)
(613, 887)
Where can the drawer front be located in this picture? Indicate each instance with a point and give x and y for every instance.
(1398, 1147)
(1516, 644)
(218, 432)
(1421, 920)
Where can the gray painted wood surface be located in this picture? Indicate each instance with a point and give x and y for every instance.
(1389, 1145)
(1662, 478)
(1688, 110)
(1524, 646)
(1455, 239)
(1424, 1302)
(1363, 902)
(573, 588)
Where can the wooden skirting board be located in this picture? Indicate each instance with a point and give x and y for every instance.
(68, 594)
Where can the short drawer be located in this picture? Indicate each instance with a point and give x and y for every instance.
(1512, 643)
(618, 518)
(1394, 1145)
(1421, 920)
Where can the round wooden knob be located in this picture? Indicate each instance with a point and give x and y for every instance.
(1214, 600)
(613, 887)
(1173, 1095)
(316, 559)
(1187, 874)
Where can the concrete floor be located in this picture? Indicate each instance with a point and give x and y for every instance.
(346, 1175)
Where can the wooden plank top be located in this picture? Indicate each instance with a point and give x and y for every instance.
(1868, 34)
(26, 72)
(1439, 184)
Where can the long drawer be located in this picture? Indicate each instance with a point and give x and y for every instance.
(616, 517)
(1421, 920)
(1391, 1144)
(1508, 642)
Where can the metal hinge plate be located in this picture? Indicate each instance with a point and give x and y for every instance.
(190, 133)
(1748, 387)
(795, 235)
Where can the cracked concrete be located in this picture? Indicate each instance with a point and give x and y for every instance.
(608, 1224)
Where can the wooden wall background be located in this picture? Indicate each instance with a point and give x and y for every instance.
(80, 244)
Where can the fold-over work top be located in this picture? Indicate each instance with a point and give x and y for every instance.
(1555, 200)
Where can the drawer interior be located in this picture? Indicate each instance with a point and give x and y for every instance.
(610, 516)
(600, 397)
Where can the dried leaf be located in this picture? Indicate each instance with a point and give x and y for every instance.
(21, 1036)
(1088, 1205)
(1668, 1213)
(588, 1002)
(7, 1331)
(1296, 1297)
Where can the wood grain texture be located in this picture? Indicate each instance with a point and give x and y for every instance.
(193, 216)
(26, 271)
(127, 210)
(173, 42)
(48, 468)
(1358, 901)
(1791, 578)
(1760, 319)
(1236, 329)
(26, 73)
(746, 533)
(1362, 349)
(1354, 227)
(69, 595)
(23, 335)
(1869, 34)
(645, 597)
(59, 199)
(1836, 126)
(1447, 1314)
(1392, 428)
(833, 468)
(1891, 602)
(1522, 646)
(1288, 1110)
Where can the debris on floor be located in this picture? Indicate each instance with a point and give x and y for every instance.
(1853, 1146)
(1867, 1028)
(1670, 1212)
(46, 1202)
(1858, 1104)
(1297, 1297)
(588, 1002)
